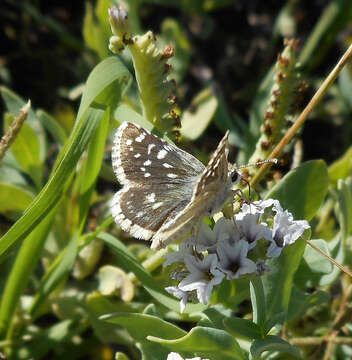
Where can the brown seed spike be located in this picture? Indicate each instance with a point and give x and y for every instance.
(269, 115)
(167, 53)
(268, 129)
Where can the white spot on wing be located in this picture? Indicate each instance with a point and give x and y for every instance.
(147, 175)
(172, 176)
(168, 166)
(150, 147)
(161, 154)
(137, 155)
(143, 168)
(150, 197)
(157, 205)
(128, 142)
(147, 163)
(140, 138)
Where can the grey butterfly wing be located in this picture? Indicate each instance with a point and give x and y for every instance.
(158, 180)
(209, 195)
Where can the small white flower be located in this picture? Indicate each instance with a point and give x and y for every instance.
(177, 292)
(225, 230)
(257, 207)
(176, 356)
(203, 276)
(204, 241)
(250, 229)
(233, 259)
(285, 231)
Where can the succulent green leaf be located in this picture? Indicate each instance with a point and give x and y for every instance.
(274, 343)
(140, 326)
(205, 342)
(242, 328)
(312, 180)
(342, 167)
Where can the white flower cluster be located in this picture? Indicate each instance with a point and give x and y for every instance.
(176, 356)
(230, 250)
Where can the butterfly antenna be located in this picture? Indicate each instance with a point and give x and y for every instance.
(274, 161)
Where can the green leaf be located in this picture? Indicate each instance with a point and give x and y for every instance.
(151, 285)
(96, 32)
(22, 270)
(345, 85)
(344, 206)
(26, 150)
(13, 200)
(52, 191)
(53, 127)
(140, 326)
(105, 84)
(301, 302)
(303, 189)
(258, 302)
(317, 263)
(206, 342)
(124, 113)
(342, 167)
(311, 179)
(56, 272)
(98, 305)
(242, 328)
(274, 343)
(197, 118)
(91, 167)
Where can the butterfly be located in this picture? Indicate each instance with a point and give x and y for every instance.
(166, 191)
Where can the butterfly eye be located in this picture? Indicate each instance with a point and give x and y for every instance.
(235, 177)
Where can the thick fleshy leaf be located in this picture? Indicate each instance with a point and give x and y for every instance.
(150, 284)
(140, 326)
(344, 206)
(274, 343)
(342, 167)
(312, 180)
(316, 262)
(244, 328)
(206, 342)
(301, 302)
(98, 305)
